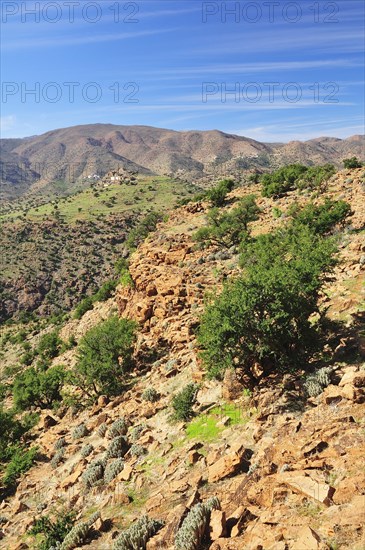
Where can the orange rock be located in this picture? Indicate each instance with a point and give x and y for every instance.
(217, 524)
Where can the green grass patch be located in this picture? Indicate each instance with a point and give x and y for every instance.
(156, 192)
(206, 427)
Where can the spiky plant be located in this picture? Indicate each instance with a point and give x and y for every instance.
(137, 450)
(138, 534)
(86, 450)
(150, 394)
(102, 429)
(58, 458)
(80, 431)
(113, 469)
(117, 448)
(136, 431)
(94, 473)
(61, 442)
(119, 427)
(316, 382)
(78, 534)
(194, 527)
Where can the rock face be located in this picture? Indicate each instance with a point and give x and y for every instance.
(287, 469)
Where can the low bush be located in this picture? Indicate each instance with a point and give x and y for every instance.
(39, 387)
(295, 176)
(53, 532)
(119, 427)
(352, 162)
(320, 218)
(264, 316)
(117, 448)
(150, 394)
(183, 402)
(22, 460)
(226, 229)
(80, 431)
(113, 469)
(105, 356)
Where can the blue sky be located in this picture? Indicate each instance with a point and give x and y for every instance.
(294, 69)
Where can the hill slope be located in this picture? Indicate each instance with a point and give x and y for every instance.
(287, 469)
(71, 154)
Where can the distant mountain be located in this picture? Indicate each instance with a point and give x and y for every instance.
(67, 156)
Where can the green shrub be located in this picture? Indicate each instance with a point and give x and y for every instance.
(315, 176)
(21, 461)
(54, 532)
(142, 230)
(295, 176)
(352, 162)
(183, 402)
(49, 346)
(105, 292)
(226, 229)
(85, 305)
(218, 194)
(264, 316)
(10, 434)
(38, 387)
(282, 180)
(321, 218)
(105, 356)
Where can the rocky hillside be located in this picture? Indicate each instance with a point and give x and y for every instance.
(39, 163)
(55, 252)
(264, 469)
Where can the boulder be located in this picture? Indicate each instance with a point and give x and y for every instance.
(217, 524)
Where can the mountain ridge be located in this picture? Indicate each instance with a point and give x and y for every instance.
(32, 165)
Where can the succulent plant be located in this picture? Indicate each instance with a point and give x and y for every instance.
(117, 448)
(80, 431)
(58, 458)
(316, 382)
(86, 450)
(194, 526)
(119, 427)
(78, 534)
(61, 442)
(113, 469)
(102, 429)
(150, 394)
(136, 431)
(94, 473)
(138, 534)
(137, 450)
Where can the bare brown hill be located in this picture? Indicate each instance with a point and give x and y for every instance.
(71, 154)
